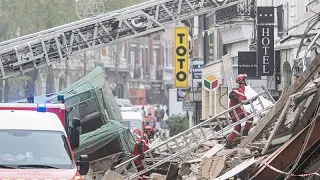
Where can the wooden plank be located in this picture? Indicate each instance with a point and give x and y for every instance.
(309, 90)
(308, 113)
(305, 97)
(287, 153)
(212, 167)
(282, 134)
(298, 84)
(213, 151)
(297, 116)
(278, 124)
(236, 170)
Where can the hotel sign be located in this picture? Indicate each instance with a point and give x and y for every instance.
(265, 48)
(265, 14)
(265, 41)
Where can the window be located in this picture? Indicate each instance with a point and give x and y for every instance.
(61, 84)
(50, 84)
(154, 58)
(293, 9)
(147, 67)
(132, 58)
(158, 63)
(24, 148)
(224, 49)
(141, 56)
(166, 55)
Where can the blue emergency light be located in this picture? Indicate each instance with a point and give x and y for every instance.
(41, 108)
(60, 97)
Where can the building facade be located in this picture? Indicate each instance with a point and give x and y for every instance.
(297, 19)
(139, 69)
(234, 29)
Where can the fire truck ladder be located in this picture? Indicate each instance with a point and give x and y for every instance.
(45, 48)
(180, 144)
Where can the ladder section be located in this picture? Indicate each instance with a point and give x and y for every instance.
(187, 141)
(54, 45)
(48, 32)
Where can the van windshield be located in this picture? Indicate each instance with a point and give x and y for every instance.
(133, 123)
(30, 149)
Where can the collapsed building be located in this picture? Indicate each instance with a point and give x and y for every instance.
(284, 141)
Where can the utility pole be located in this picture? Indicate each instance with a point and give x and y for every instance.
(205, 39)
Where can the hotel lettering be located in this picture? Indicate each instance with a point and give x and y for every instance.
(265, 41)
(265, 50)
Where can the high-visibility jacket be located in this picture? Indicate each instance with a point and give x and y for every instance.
(237, 95)
(140, 147)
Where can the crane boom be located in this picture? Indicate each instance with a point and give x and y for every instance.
(45, 48)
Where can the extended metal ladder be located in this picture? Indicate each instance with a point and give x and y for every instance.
(51, 46)
(198, 134)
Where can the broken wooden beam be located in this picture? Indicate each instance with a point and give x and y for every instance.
(306, 117)
(309, 90)
(298, 112)
(278, 124)
(286, 154)
(275, 110)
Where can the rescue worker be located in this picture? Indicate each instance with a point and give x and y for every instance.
(237, 96)
(141, 146)
(159, 113)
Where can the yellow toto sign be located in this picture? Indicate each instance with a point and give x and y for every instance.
(181, 57)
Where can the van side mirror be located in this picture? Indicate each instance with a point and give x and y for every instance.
(75, 134)
(83, 164)
(76, 122)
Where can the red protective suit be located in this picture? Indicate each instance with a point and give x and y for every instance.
(236, 97)
(139, 148)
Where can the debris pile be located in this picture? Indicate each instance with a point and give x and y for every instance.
(275, 142)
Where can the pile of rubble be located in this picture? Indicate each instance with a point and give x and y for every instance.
(245, 160)
(282, 133)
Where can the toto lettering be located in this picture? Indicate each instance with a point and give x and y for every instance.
(181, 57)
(181, 51)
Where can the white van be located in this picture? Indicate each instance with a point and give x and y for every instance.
(133, 119)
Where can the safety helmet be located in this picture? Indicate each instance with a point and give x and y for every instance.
(150, 131)
(136, 131)
(242, 79)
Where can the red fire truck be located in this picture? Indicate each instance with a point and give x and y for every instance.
(37, 142)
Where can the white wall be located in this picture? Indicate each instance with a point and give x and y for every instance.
(175, 107)
(293, 9)
(215, 107)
